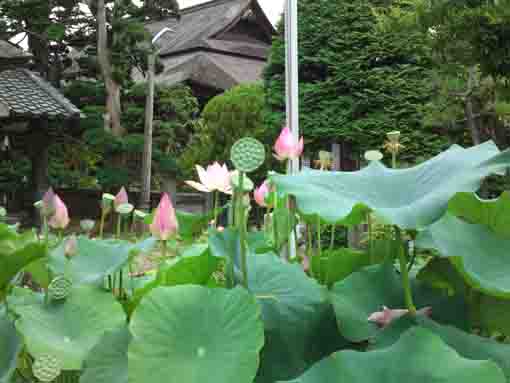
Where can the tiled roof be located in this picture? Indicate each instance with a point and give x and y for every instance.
(199, 25)
(24, 94)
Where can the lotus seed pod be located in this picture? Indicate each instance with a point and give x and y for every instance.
(59, 288)
(46, 368)
(248, 154)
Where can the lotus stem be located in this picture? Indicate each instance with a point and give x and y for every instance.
(404, 273)
(119, 223)
(370, 224)
(394, 159)
(242, 232)
(215, 207)
(319, 246)
(309, 247)
(101, 224)
(275, 226)
(332, 243)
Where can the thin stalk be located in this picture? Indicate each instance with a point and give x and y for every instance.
(119, 222)
(394, 159)
(309, 248)
(319, 246)
(370, 239)
(215, 207)
(404, 273)
(242, 232)
(164, 249)
(121, 277)
(46, 230)
(275, 226)
(332, 242)
(101, 224)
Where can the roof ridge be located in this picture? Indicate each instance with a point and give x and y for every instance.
(52, 92)
(207, 4)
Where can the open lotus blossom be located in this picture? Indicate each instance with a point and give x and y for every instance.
(386, 316)
(60, 218)
(260, 194)
(287, 147)
(121, 198)
(164, 224)
(216, 177)
(48, 203)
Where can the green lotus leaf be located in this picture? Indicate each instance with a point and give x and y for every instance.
(16, 252)
(410, 198)
(366, 291)
(95, 259)
(68, 330)
(467, 345)
(107, 362)
(338, 264)
(483, 257)
(192, 334)
(295, 313)
(493, 213)
(11, 345)
(418, 356)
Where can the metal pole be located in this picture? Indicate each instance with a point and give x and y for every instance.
(145, 195)
(292, 90)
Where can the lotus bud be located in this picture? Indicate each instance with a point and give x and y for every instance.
(60, 219)
(71, 247)
(107, 202)
(165, 222)
(48, 206)
(384, 318)
(121, 198)
(394, 136)
(261, 193)
(287, 147)
(3, 213)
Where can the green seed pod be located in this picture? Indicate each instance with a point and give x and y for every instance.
(248, 154)
(59, 288)
(46, 368)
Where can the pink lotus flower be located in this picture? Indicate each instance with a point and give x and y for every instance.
(48, 203)
(121, 198)
(165, 222)
(286, 146)
(60, 219)
(384, 318)
(260, 194)
(216, 177)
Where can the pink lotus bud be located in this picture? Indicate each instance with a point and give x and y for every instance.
(221, 229)
(287, 147)
(216, 177)
(60, 218)
(48, 203)
(260, 194)
(306, 264)
(121, 198)
(165, 222)
(384, 318)
(71, 247)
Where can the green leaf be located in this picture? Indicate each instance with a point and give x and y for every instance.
(483, 257)
(410, 198)
(11, 345)
(338, 264)
(419, 356)
(494, 213)
(366, 291)
(16, 252)
(193, 334)
(107, 362)
(192, 225)
(95, 259)
(467, 345)
(67, 330)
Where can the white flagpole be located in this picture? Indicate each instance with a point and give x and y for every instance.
(292, 88)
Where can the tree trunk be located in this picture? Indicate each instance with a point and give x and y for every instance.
(468, 109)
(145, 195)
(112, 87)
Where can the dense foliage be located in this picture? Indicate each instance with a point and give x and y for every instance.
(239, 112)
(356, 81)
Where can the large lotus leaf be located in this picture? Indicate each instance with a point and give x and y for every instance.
(491, 314)
(484, 257)
(95, 259)
(107, 362)
(338, 264)
(467, 345)
(366, 291)
(493, 213)
(10, 346)
(192, 334)
(70, 329)
(410, 198)
(293, 310)
(419, 356)
(16, 252)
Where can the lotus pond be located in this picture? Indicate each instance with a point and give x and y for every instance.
(425, 299)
